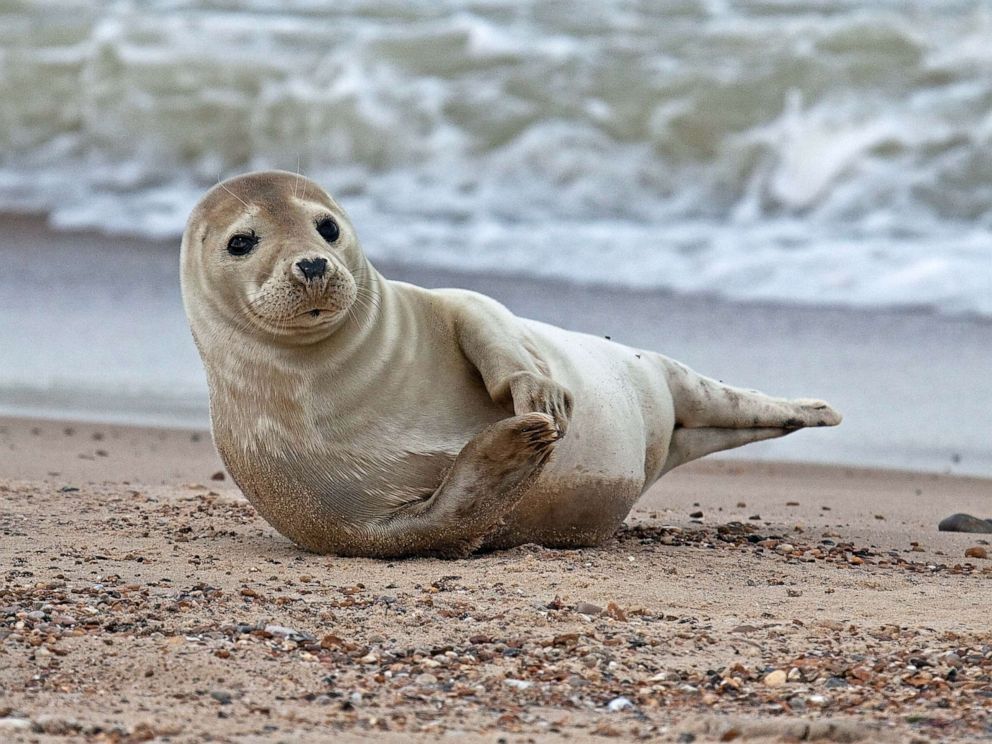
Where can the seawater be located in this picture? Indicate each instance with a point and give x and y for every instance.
(812, 151)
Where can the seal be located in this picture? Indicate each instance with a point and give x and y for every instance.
(369, 417)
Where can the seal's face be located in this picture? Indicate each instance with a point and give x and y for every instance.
(272, 253)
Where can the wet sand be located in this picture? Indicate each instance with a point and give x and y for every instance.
(142, 597)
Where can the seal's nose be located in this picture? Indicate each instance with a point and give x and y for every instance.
(312, 268)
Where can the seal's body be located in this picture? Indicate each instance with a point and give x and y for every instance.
(363, 416)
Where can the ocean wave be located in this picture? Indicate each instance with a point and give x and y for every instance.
(802, 151)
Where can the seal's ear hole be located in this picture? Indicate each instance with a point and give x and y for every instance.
(242, 245)
(328, 229)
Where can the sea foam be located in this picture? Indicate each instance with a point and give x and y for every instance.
(784, 151)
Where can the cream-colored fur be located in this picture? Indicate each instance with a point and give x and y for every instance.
(364, 416)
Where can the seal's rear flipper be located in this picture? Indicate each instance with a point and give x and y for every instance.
(483, 485)
(691, 444)
(704, 402)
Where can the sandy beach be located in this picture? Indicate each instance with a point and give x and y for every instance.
(143, 598)
(791, 197)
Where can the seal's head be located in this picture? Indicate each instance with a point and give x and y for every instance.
(270, 254)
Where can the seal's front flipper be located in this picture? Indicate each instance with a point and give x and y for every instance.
(485, 482)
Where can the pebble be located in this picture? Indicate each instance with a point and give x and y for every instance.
(618, 704)
(588, 608)
(221, 696)
(519, 684)
(976, 552)
(965, 523)
(55, 726)
(288, 633)
(776, 678)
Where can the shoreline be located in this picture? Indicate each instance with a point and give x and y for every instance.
(110, 342)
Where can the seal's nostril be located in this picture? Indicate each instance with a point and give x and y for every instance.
(312, 268)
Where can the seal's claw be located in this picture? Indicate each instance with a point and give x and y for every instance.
(539, 431)
(816, 413)
(534, 393)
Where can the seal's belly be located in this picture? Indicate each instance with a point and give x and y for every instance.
(616, 443)
(389, 446)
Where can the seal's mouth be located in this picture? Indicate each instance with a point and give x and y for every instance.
(314, 312)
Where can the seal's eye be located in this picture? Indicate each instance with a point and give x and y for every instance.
(328, 229)
(241, 245)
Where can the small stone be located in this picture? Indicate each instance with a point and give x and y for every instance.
(776, 678)
(288, 633)
(855, 560)
(218, 476)
(818, 699)
(55, 726)
(588, 608)
(835, 682)
(952, 659)
(618, 704)
(518, 684)
(425, 679)
(965, 523)
(976, 552)
(785, 548)
(221, 696)
(861, 674)
(795, 675)
(63, 619)
(694, 515)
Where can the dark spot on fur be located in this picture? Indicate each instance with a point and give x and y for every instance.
(792, 423)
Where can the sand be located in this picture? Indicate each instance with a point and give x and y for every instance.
(142, 597)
